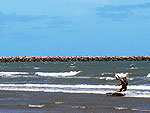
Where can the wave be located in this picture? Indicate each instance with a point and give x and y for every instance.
(107, 78)
(121, 75)
(72, 66)
(58, 74)
(139, 87)
(107, 73)
(13, 73)
(133, 90)
(132, 68)
(121, 108)
(36, 67)
(52, 74)
(113, 78)
(141, 110)
(36, 106)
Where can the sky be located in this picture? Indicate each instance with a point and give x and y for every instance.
(74, 27)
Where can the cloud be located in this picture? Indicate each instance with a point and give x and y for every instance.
(13, 17)
(58, 22)
(123, 11)
(38, 22)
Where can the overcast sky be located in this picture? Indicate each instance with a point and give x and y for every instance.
(74, 27)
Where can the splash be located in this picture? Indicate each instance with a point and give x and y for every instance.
(121, 75)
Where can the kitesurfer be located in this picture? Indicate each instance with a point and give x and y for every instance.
(124, 84)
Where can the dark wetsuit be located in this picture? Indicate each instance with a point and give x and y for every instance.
(124, 86)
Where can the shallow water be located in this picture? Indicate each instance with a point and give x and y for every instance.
(19, 101)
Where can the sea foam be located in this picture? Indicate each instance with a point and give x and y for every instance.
(58, 74)
(133, 91)
(36, 106)
(50, 74)
(12, 73)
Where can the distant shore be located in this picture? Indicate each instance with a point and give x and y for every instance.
(72, 58)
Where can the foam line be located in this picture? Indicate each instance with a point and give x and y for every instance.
(13, 73)
(93, 89)
(139, 87)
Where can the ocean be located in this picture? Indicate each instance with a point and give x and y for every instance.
(78, 87)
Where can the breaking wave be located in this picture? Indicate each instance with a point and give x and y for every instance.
(50, 74)
(133, 90)
(58, 74)
(13, 73)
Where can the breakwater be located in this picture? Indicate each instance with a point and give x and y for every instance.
(72, 58)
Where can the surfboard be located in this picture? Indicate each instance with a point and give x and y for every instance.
(115, 94)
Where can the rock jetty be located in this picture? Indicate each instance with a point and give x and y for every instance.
(72, 58)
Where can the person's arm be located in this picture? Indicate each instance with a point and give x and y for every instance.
(118, 84)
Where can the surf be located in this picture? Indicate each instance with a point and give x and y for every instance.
(133, 90)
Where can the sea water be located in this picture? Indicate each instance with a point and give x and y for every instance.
(76, 78)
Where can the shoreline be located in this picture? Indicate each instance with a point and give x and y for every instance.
(72, 58)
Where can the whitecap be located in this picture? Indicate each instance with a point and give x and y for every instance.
(130, 78)
(134, 109)
(121, 108)
(12, 73)
(59, 102)
(36, 67)
(72, 66)
(81, 107)
(57, 74)
(110, 78)
(132, 68)
(145, 110)
(106, 73)
(107, 78)
(36, 106)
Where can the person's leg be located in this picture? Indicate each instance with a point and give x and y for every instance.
(119, 90)
(123, 89)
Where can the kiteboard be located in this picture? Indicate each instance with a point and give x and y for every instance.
(115, 94)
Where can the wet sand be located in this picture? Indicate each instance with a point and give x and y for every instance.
(16, 101)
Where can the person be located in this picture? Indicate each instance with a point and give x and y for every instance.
(124, 84)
